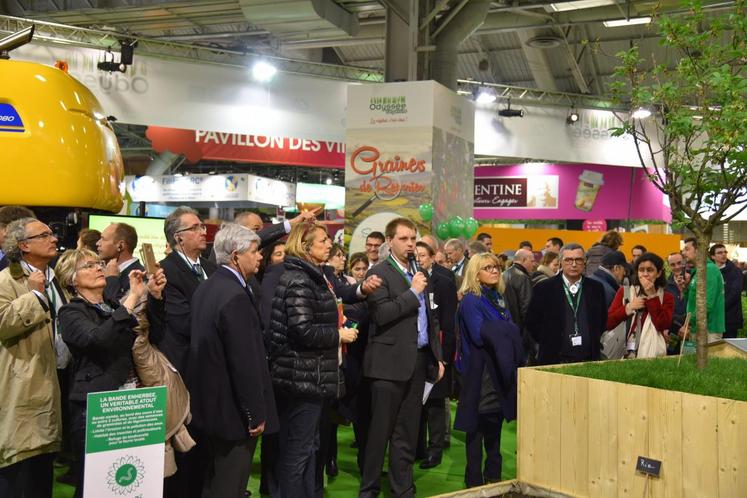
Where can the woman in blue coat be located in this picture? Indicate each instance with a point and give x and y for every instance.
(489, 351)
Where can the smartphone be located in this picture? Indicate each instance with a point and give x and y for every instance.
(149, 260)
(350, 324)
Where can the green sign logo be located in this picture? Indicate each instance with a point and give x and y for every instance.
(125, 475)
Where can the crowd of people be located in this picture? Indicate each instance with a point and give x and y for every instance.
(274, 332)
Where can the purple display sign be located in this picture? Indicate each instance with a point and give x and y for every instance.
(566, 191)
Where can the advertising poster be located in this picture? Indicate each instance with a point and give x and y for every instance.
(566, 191)
(125, 435)
(387, 176)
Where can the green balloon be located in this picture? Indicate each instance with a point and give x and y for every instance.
(426, 211)
(470, 227)
(442, 230)
(456, 226)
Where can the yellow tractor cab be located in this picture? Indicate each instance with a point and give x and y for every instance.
(57, 147)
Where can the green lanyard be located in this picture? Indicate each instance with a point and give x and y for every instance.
(397, 267)
(574, 305)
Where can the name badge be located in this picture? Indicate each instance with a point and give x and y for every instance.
(433, 303)
(576, 340)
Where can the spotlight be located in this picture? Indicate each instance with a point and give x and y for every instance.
(328, 181)
(511, 113)
(263, 71)
(485, 96)
(641, 113)
(572, 117)
(111, 66)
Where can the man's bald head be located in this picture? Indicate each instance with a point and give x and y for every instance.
(525, 258)
(250, 220)
(431, 241)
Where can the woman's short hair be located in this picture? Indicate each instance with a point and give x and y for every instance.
(67, 267)
(355, 258)
(89, 237)
(471, 283)
(612, 238)
(233, 237)
(654, 259)
(548, 258)
(14, 235)
(336, 249)
(301, 236)
(427, 248)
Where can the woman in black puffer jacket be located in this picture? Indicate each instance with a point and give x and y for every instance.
(305, 336)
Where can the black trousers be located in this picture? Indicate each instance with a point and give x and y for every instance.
(229, 467)
(730, 332)
(29, 478)
(190, 474)
(432, 434)
(298, 443)
(488, 435)
(395, 418)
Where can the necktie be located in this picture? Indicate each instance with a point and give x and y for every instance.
(198, 271)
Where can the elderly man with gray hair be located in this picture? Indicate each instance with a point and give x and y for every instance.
(30, 417)
(568, 313)
(232, 397)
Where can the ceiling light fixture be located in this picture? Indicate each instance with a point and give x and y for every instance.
(616, 23)
(263, 71)
(485, 96)
(641, 113)
(572, 118)
(580, 4)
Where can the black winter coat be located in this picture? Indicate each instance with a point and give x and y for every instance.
(101, 343)
(303, 333)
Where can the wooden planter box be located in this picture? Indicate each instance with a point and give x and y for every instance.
(582, 437)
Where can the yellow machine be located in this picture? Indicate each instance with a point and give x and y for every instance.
(57, 147)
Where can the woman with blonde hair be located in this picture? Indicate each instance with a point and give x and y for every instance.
(489, 351)
(305, 333)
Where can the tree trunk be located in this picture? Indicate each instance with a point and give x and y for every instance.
(701, 338)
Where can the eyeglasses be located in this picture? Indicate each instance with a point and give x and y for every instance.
(574, 261)
(373, 246)
(40, 236)
(200, 227)
(489, 268)
(720, 252)
(93, 265)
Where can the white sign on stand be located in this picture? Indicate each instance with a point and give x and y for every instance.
(125, 435)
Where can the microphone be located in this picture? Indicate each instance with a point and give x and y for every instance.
(413, 263)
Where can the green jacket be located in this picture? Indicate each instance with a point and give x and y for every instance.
(715, 310)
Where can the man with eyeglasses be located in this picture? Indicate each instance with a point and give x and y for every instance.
(374, 241)
(30, 417)
(568, 313)
(732, 289)
(185, 270)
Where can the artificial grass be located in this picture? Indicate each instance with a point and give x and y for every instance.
(445, 478)
(724, 377)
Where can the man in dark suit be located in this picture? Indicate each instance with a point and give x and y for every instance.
(443, 295)
(403, 350)
(116, 245)
(567, 313)
(232, 397)
(185, 270)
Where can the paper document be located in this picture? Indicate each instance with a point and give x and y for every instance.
(427, 391)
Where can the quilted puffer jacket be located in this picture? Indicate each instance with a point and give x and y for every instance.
(303, 333)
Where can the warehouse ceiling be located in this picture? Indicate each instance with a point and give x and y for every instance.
(557, 46)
